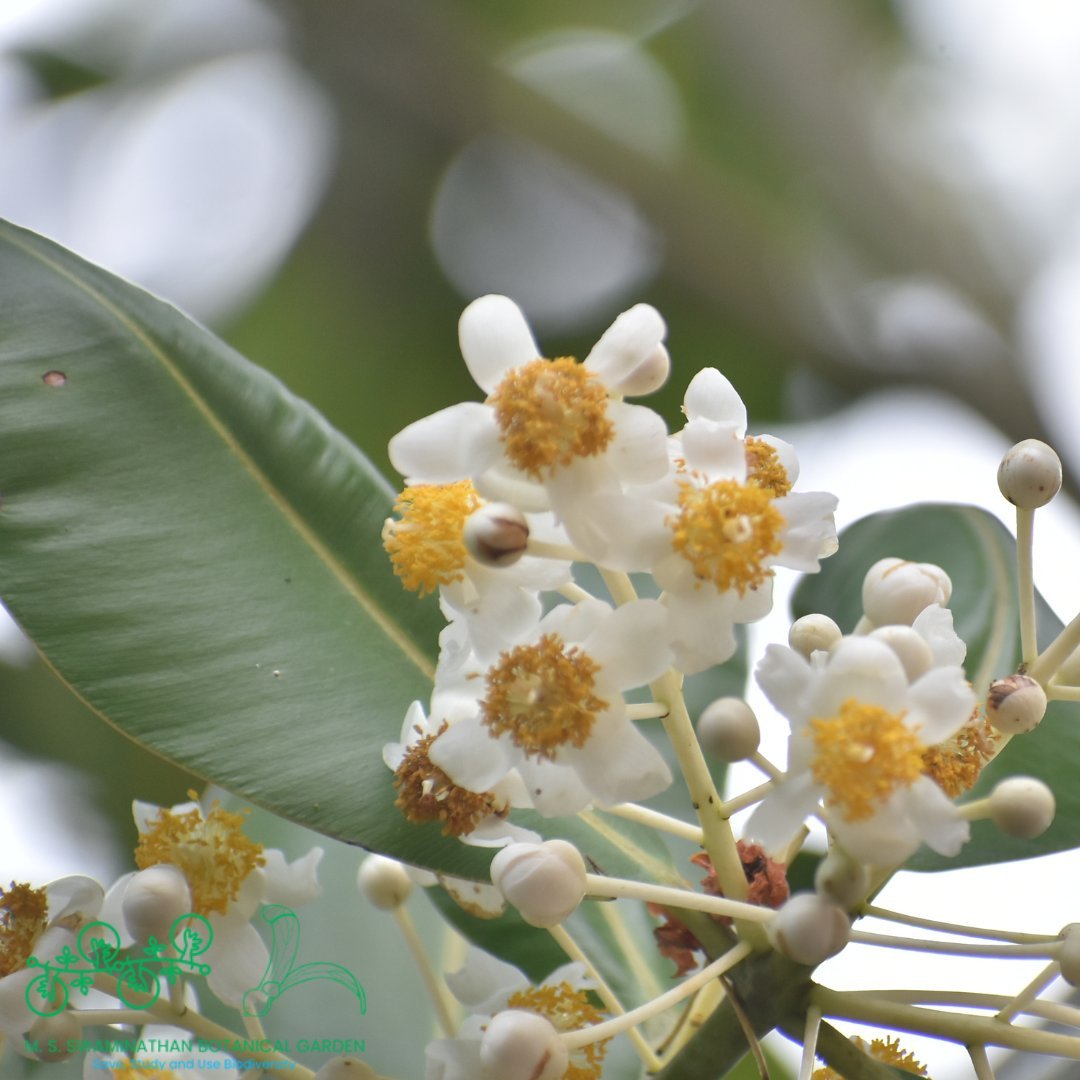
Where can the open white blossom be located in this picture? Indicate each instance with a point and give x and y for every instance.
(859, 730)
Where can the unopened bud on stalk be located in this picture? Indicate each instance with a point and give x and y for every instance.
(383, 882)
(545, 882)
(809, 929)
(521, 1045)
(52, 1035)
(910, 646)
(813, 633)
(1029, 475)
(346, 1068)
(1069, 956)
(497, 534)
(1015, 704)
(152, 900)
(1022, 807)
(841, 879)
(895, 591)
(648, 376)
(728, 730)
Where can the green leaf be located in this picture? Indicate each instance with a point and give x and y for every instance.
(195, 552)
(979, 555)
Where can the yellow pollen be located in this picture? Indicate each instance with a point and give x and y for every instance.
(568, 1010)
(955, 764)
(551, 412)
(212, 853)
(542, 695)
(763, 468)
(863, 754)
(426, 546)
(726, 531)
(23, 919)
(887, 1051)
(426, 793)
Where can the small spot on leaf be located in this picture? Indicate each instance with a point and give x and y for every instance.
(54, 378)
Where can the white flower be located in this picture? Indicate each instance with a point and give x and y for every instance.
(859, 730)
(551, 433)
(553, 708)
(38, 923)
(118, 1065)
(488, 986)
(230, 877)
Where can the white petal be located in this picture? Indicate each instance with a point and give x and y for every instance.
(626, 344)
(785, 452)
(453, 1059)
(618, 764)
(495, 832)
(886, 839)
(554, 789)
(237, 958)
(449, 445)
(635, 532)
(809, 533)
(700, 629)
(941, 701)
(575, 622)
(477, 898)
(639, 451)
(111, 911)
(786, 678)
(865, 669)
(292, 883)
(75, 895)
(494, 338)
(935, 624)
(629, 644)
(936, 817)
(16, 1016)
(485, 982)
(776, 819)
(711, 395)
(715, 449)
(468, 754)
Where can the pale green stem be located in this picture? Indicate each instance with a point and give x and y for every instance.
(872, 911)
(176, 993)
(699, 1010)
(767, 767)
(432, 983)
(813, 1026)
(563, 552)
(981, 1063)
(575, 593)
(617, 1025)
(718, 837)
(93, 1017)
(955, 948)
(621, 888)
(1067, 1015)
(253, 1026)
(747, 798)
(975, 810)
(957, 1027)
(619, 585)
(1056, 653)
(1058, 692)
(654, 819)
(647, 710)
(606, 995)
(1025, 529)
(1030, 992)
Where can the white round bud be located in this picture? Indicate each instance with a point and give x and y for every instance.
(1029, 475)
(647, 377)
(1015, 704)
(496, 534)
(346, 1068)
(1022, 807)
(728, 730)
(545, 882)
(1068, 957)
(842, 879)
(896, 591)
(809, 929)
(52, 1035)
(152, 900)
(813, 633)
(910, 646)
(384, 882)
(521, 1045)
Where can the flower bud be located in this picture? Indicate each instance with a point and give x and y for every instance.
(346, 1068)
(648, 376)
(809, 929)
(383, 882)
(896, 591)
(521, 1045)
(910, 646)
(813, 633)
(1022, 807)
(497, 534)
(841, 879)
(1015, 704)
(545, 882)
(1029, 475)
(728, 730)
(52, 1035)
(152, 900)
(1069, 956)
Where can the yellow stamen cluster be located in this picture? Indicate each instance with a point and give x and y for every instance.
(568, 1010)
(426, 793)
(763, 468)
(862, 755)
(426, 546)
(955, 765)
(551, 412)
(212, 853)
(23, 918)
(542, 696)
(887, 1051)
(726, 531)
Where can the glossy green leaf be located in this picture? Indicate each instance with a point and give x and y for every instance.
(979, 554)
